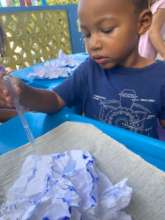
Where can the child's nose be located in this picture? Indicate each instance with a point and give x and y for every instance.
(95, 42)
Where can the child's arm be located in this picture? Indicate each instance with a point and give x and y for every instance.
(31, 98)
(155, 32)
(41, 100)
(6, 114)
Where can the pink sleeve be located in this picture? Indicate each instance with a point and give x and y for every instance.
(157, 5)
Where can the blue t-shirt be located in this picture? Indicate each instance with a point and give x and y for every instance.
(131, 98)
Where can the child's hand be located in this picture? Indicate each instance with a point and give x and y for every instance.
(6, 98)
(3, 92)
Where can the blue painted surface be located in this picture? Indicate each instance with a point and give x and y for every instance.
(77, 44)
(38, 83)
(12, 134)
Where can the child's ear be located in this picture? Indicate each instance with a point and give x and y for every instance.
(145, 20)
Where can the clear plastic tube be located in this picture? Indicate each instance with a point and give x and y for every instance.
(19, 108)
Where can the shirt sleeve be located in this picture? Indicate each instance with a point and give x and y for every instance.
(74, 89)
(157, 5)
(162, 4)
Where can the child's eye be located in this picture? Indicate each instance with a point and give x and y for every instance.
(107, 31)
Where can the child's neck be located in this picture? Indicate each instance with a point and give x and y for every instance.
(136, 61)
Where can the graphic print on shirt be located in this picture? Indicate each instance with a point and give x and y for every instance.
(126, 112)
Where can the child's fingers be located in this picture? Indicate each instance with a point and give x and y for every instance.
(5, 101)
(6, 96)
(3, 91)
(10, 89)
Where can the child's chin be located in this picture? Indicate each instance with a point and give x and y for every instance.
(108, 65)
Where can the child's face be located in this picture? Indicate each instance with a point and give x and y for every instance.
(111, 31)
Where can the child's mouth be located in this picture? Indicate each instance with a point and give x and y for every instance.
(101, 60)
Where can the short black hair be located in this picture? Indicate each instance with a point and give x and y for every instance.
(141, 4)
(2, 41)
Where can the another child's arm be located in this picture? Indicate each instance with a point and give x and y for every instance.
(33, 99)
(155, 32)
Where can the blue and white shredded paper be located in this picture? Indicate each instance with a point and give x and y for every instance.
(61, 67)
(65, 186)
